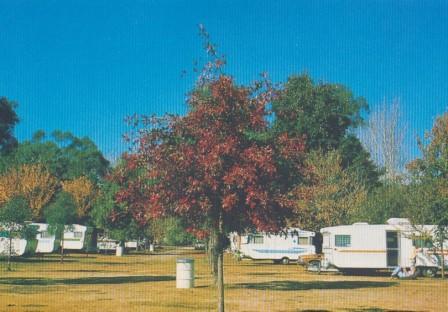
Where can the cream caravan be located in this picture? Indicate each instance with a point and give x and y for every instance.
(15, 246)
(45, 240)
(363, 246)
(282, 247)
(76, 237)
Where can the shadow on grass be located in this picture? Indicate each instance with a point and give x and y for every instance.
(84, 281)
(261, 273)
(294, 285)
(372, 309)
(101, 263)
(77, 271)
(43, 260)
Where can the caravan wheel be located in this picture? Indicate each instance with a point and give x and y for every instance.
(427, 272)
(285, 260)
(314, 266)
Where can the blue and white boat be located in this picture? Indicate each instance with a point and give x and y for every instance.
(282, 247)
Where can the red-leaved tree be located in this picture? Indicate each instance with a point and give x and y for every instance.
(215, 166)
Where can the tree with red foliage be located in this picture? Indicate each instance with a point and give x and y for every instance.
(211, 166)
(217, 167)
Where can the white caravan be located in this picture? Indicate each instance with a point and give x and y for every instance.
(107, 244)
(18, 246)
(75, 237)
(45, 240)
(13, 247)
(380, 246)
(282, 247)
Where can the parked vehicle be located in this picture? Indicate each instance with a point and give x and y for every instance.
(18, 246)
(107, 244)
(46, 242)
(282, 247)
(363, 246)
(199, 245)
(79, 237)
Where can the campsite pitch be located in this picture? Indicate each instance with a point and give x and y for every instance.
(147, 283)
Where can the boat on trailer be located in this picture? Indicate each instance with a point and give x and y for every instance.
(282, 247)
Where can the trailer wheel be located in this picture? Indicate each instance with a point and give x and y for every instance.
(427, 272)
(285, 260)
(314, 266)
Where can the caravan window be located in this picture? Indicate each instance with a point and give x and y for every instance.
(342, 240)
(255, 239)
(45, 234)
(304, 241)
(77, 234)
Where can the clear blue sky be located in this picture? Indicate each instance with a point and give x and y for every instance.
(82, 66)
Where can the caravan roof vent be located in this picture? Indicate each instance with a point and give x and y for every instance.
(360, 223)
(398, 221)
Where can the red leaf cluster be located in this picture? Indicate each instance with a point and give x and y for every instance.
(204, 166)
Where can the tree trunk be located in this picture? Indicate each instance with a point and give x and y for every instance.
(62, 249)
(213, 253)
(10, 251)
(210, 254)
(442, 256)
(221, 282)
(219, 253)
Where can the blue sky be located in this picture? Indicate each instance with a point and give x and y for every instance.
(82, 66)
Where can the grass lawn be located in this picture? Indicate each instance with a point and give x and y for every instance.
(147, 283)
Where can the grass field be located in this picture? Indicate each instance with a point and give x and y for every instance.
(147, 283)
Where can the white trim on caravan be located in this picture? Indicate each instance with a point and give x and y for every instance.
(379, 246)
(15, 246)
(45, 240)
(74, 237)
(283, 247)
(107, 244)
(18, 246)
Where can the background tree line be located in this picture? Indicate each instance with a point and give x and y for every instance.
(348, 180)
(226, 167)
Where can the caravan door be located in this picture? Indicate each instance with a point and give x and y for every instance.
(392, 248)
(327, 249)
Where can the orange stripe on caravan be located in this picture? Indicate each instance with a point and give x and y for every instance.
(363, 251)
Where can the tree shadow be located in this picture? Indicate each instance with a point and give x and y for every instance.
(261, 273)
(84, 281)
(77, 271)
(43, 260)
(295, 285)
(373, 309)
(113, 263)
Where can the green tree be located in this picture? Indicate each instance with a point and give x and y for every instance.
(171, 231)
(330, 196)
(8, 120)
(64, 155)
(389, 200)
(60, 215)
(325, 114)
(12, 219)
(114, 218)
(429, 203)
